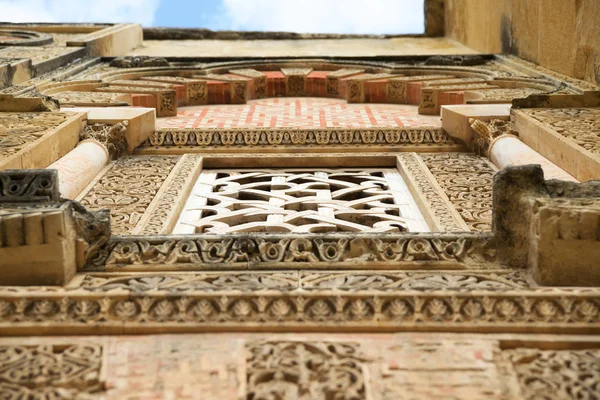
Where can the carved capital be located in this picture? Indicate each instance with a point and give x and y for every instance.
(113, 137)
(487, 132)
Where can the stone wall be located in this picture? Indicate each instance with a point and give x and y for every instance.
(557, 34)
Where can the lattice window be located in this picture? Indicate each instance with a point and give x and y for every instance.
(300, 201)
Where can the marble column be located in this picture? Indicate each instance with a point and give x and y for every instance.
(78, 167)
(508, 150)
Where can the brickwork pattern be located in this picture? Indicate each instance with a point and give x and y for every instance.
(298, 113)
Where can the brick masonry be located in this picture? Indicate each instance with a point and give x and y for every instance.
(299, 113)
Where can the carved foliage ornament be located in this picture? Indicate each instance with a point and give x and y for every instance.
(111, 136)
(271, 249)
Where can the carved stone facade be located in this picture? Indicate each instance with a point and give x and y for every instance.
(293, 228)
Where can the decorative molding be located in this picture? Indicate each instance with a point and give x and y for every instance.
(434, 203)
(558, 310)
(289, 281)
(128, 188)
(51, 371)
(165, 208)
(256, 251)
(467, 181)
(261, 137)
(111, 136)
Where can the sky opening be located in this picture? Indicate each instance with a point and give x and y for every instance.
(305, 16)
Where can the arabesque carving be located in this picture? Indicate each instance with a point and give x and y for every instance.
(580, 125)
(215, 251)
(467, 181)
(139, 62)
(50, 371)
(289, 370)
(557, 375)
(17, 130)
(128, 188)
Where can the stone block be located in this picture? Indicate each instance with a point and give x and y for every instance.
(455, 118)
(140, 121)
(565, 242)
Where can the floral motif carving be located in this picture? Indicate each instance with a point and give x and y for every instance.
(18, 130)
(24, 186)
(467, 181)
(50, 371)
(581, 125)
(295, 370)
(168, 203)
(414, 168)
(557, 375)
(272, 249)
(128, 188)
(479, 311)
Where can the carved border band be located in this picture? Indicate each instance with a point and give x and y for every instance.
(257, 251)
(265, 137)
(478, 311)
(434, 204)
(161, 215)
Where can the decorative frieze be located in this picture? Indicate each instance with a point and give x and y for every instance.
(51, 371)
(566, 310)
(288, 281)
(467, 181)
(17, 130)
(206, 252)
(215, 138)
(128, 188)
(139, 62)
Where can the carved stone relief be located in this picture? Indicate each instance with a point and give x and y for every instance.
(128, 188)
(50, 372)
(289, 370)
(17, 130)
(557, 375)
(581, 125)
(467, 181)
(441, 211)
(111, 136)
(285, 137)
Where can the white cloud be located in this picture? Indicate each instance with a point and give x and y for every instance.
(327, 16)
(139, 11)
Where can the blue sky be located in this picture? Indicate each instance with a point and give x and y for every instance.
(326, 16)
